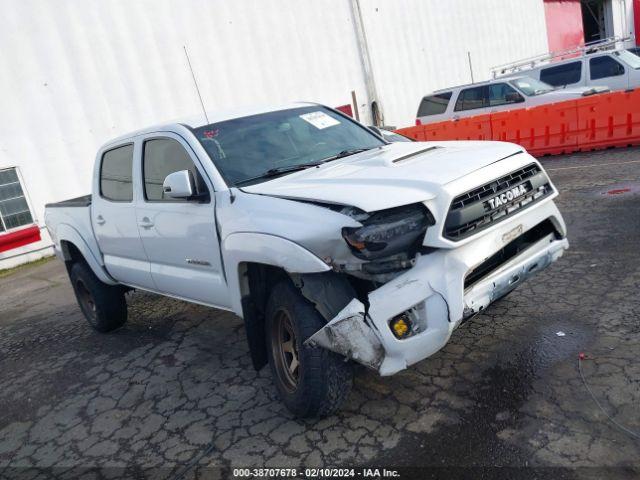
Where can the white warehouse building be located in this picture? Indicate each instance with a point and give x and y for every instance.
(76, 74)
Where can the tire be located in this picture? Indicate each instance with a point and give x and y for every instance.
(323, 379)
(104, 306)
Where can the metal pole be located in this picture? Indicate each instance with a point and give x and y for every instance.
(365, 57)
(355, 105)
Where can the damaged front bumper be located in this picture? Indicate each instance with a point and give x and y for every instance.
(433, 294)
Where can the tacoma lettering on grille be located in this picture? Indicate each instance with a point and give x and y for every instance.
(495, 201)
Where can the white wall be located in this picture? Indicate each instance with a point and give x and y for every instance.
(74, 74)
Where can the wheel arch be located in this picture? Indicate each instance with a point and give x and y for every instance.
(74, 248)
(243, 248)
(253, 263)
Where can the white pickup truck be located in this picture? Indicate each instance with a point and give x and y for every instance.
(332, 244)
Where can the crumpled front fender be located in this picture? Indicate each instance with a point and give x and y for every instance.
(349, 334)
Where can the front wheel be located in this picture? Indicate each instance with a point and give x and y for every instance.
(311, 381)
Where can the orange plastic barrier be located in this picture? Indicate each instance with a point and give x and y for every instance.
(547, 129)
(611, 120)
(598, 121)
(477, 127)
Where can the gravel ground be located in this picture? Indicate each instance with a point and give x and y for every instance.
(174, 392)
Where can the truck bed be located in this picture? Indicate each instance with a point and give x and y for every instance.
(83, 201)
(71, 220)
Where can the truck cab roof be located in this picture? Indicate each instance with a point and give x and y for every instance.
(212, 116)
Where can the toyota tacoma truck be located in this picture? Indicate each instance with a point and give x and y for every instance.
(332, 244)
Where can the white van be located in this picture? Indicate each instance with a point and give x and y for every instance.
(494, 96)
(605, 62)
(619, 70)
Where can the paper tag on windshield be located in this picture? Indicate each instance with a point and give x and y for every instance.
(319, 120)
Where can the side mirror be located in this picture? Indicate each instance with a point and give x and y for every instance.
(179, 185)
(514, 97)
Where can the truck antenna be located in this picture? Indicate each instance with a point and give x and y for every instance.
(195, 82)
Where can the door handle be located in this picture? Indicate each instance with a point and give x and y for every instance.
(455, 118)
(146, 223)
(100, 220)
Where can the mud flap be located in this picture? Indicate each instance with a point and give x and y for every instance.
(350, 335)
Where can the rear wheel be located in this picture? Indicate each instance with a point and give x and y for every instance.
(104, 306)
(311, 381)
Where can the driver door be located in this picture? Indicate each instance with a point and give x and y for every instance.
(179, 235)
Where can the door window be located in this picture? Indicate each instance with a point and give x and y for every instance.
(472, 98)
(163, 156)
(115, 174)
(434, 104)
(503, 94)
(561, 75)
(603, 67)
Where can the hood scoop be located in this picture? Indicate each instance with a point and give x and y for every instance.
(415, 154)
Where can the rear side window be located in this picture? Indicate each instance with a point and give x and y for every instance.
(434, 104)
(603, 67)
(472, 98)
(115, 174)
(561, 75)
(163, 156)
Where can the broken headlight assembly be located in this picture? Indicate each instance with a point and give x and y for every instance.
(389, 232)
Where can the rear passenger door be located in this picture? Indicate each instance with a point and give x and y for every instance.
(179, 235)
(564, 74)
(472, 101)
(113, 217)
(607, 71)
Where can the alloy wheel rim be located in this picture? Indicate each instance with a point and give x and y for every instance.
(286, 351)
(86, 300)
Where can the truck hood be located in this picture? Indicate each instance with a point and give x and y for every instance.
(389, 176)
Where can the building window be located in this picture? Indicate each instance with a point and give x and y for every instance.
(14, 209)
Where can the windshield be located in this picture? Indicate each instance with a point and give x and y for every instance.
(253, 149)
(530, 86)
(629, 58)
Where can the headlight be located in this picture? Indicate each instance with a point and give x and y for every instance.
(388, 232)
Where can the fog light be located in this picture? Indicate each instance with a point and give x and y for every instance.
(401, 325)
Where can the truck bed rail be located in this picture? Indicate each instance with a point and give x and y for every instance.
(83, 201)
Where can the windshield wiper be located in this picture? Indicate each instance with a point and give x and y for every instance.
(274, 172)
(345, 153)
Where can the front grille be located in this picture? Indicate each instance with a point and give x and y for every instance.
(481, 207)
